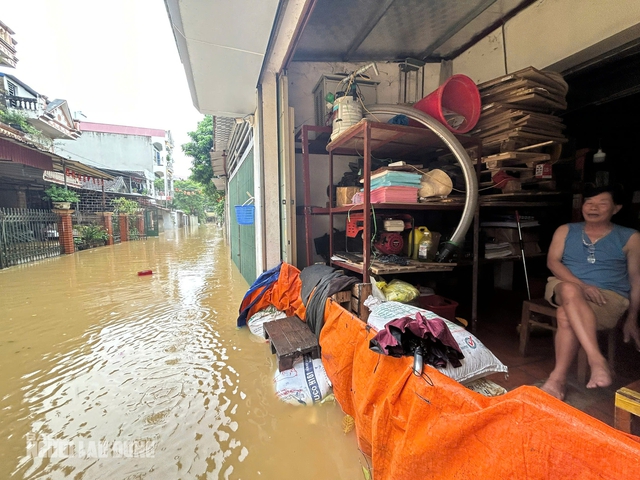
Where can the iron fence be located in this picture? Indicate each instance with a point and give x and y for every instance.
(27, 235)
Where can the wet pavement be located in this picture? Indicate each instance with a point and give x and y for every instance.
(147, 376)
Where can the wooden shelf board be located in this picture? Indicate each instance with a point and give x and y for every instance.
(393, 141)
(388, 269)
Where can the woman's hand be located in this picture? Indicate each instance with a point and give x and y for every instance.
(593, 294)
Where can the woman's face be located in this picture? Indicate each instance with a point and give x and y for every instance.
(599, 208)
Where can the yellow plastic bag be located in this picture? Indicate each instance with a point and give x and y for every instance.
(399, 291)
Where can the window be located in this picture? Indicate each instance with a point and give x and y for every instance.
(11, 88)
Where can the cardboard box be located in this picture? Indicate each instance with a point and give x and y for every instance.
(544, 171)
(511, 234)
(345, 194)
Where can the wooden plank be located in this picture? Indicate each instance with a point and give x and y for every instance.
(522, 156)
(290, 338)
(415, 266)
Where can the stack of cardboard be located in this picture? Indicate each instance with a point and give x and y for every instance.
(518, 122)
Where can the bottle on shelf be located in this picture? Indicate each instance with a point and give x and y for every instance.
(415, 236)
(425, 245)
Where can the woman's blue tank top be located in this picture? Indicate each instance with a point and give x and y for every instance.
(609, 271)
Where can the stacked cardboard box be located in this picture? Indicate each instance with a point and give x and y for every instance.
(518, 125)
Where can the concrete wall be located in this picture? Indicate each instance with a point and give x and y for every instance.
(555, 34)
(108, 150)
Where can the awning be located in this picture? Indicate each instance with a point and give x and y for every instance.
(60, 164)
(222, 47)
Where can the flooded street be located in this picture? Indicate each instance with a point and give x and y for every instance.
(90, 352)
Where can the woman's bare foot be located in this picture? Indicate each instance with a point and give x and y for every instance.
(600, 376)
(555, 388)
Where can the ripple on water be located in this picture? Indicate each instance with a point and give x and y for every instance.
(156, 359)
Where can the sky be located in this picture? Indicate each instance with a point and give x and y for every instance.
(114, 60)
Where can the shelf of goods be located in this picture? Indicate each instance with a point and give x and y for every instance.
(369, 139)
(381, 140)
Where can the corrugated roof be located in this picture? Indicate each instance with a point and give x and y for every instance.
(392, 30)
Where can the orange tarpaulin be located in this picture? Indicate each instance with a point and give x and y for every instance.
(284, 294)
(418, 428)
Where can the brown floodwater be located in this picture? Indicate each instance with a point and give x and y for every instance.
(93, 355)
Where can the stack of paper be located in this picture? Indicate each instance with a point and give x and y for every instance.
(395, 179)
(394, 195)
(497, 250)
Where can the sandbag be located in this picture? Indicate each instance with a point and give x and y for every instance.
(304, 384)
(478, 360)
(257, 321)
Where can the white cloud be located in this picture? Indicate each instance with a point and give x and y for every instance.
(115, 60)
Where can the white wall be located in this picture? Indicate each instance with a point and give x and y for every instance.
(556, 34)
(108, 150)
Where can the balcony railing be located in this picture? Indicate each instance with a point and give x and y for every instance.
(22, 103)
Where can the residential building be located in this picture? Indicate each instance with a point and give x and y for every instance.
(29, 123)
(263, 70)
(8, 56)
(141, 154)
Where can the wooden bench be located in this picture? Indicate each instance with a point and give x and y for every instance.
(541, 307)
(627, 404)
(290, 338)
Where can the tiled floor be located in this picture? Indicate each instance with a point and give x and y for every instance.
(497, 329)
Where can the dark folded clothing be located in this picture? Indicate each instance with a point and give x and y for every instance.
(402, 336)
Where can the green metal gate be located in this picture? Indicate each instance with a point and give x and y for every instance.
(27, 235)
(151, 222)
(242, 237)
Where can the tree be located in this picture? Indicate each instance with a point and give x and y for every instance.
(190, 197)
(199, 150)
(158, 184)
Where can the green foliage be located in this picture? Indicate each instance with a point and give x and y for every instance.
(218, 206)
(199, 150)
(158, 184)
(191, 197)
(124, 205)
(60, 194)
(92, 233)
(18, 120)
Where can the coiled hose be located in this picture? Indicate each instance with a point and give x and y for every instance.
(470, 179)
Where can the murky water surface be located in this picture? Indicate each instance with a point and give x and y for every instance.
(94, 355)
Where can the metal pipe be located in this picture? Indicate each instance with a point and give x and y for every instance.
(470, 178)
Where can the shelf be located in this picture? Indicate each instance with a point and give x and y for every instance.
(392, 141)
(388, 269)
(384, 206)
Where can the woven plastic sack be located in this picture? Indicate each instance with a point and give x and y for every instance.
(257, 320)
(304, 384)
(399, 291)
(478, 361)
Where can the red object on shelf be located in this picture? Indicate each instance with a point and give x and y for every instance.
(439, 305)
(458, 94)
(395, 194)
(145, 272)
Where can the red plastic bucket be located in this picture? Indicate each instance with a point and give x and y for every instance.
(458, 94)
(439, 305)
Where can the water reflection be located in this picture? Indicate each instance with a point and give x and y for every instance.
(91, 352)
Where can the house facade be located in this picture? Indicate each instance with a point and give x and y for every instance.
(142, 154)
(262, 70)
(29, 124)
(8, 56)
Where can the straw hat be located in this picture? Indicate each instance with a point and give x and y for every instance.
(435, 183)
